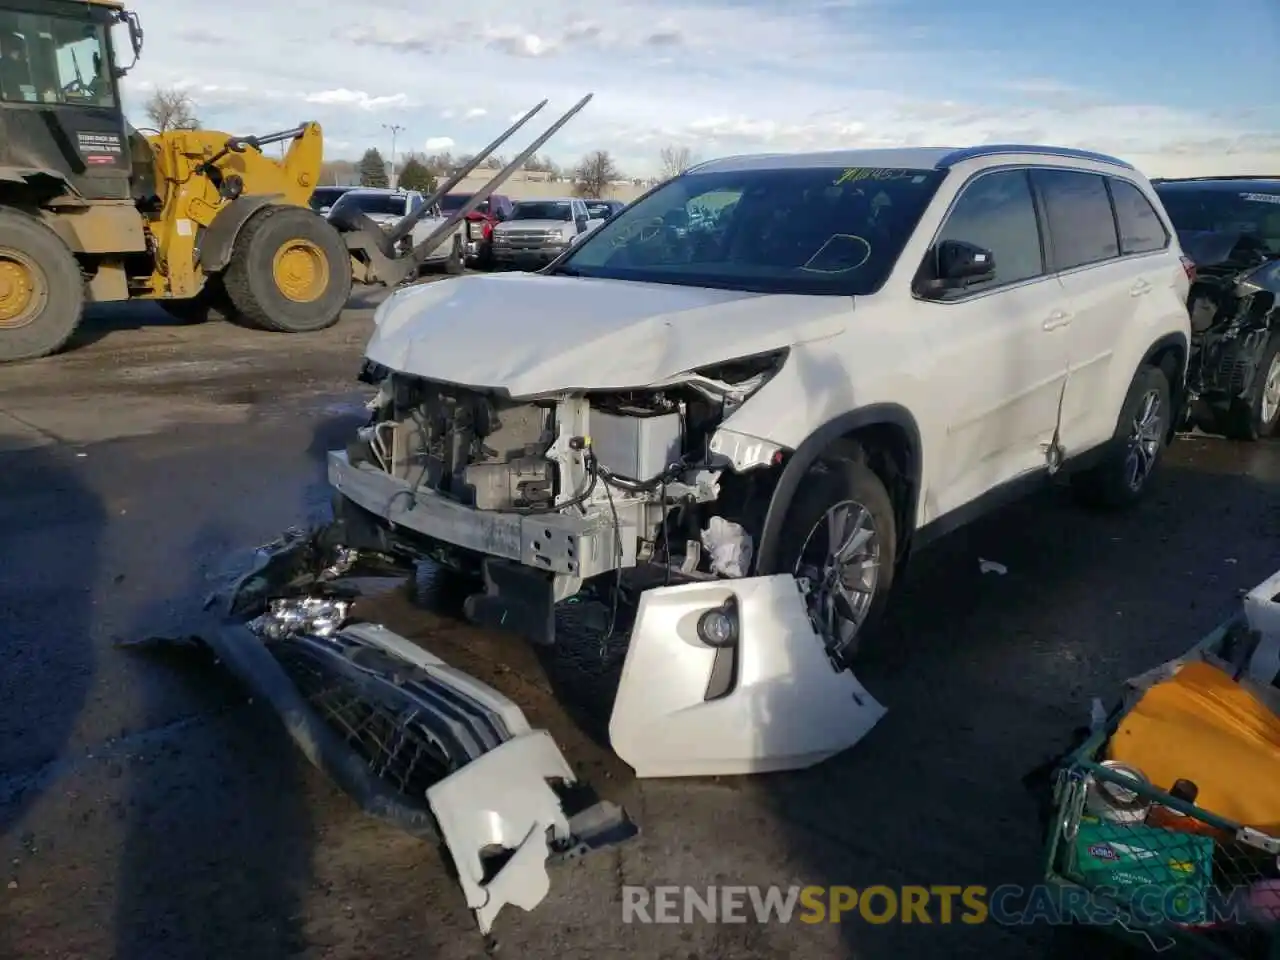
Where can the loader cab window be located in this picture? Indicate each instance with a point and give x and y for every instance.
(58, 60)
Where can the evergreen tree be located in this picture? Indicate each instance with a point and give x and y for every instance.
(373, 169)
(414, 175)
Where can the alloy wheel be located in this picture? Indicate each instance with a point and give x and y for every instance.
(838, 571)
(1145, 435)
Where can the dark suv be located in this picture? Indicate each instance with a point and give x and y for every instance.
(1230, 227)
(478, 239)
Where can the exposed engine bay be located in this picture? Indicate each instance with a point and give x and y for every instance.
(1235, 314)
(575, 485)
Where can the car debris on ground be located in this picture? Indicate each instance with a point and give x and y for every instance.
(426, 748)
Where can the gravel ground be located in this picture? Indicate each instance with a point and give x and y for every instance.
(148, 810)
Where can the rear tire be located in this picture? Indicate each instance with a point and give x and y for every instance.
(1134, 453)
(41, 289)
(289, 271)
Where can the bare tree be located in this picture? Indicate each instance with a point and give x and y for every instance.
(594, 173)
(172, 109)
(675, 160)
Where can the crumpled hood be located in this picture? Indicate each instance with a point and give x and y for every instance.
(532, 334)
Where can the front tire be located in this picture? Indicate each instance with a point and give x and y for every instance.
(289, 271)
(41, 289)
(1257, 417)
(1133, 454)
(840, 538)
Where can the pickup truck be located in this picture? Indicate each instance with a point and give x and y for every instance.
(479, 224)
(538, 231)
(387, 207)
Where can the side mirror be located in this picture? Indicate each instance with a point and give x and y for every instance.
(956, 265)
(581, 221)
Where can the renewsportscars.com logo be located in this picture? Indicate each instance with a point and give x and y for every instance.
(1146, 908)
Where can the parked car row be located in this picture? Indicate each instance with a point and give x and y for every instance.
(539, 237)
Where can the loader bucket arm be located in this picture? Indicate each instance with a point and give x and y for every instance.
(429, 243)
(407, 223)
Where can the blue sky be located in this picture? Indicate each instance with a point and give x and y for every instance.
(730, 76)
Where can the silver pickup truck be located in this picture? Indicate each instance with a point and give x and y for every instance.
(389, 207)
(538, 231)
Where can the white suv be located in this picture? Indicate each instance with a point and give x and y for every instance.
(755, 390)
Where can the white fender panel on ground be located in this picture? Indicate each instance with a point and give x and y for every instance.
(788, 708)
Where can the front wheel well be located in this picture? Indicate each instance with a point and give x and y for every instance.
(888, 450)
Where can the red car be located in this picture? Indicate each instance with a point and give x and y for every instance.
(480, 223)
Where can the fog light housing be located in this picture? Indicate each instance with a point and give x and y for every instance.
(718, 627)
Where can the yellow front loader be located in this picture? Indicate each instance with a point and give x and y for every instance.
(92, 211)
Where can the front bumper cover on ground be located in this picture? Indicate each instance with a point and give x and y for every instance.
(446, 756)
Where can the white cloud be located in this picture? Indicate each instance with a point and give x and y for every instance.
(438, 144)
(723, 76)
(342, 97)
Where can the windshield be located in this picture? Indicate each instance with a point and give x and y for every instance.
(599, 211)
(542, 210)
(326, 196)
(801, 230)
(47, 59)
(389, 204)
(1254, 211)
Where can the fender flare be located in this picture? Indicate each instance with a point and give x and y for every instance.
(813, 446)
(220, 236)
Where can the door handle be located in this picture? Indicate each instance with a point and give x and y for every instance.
(1139, 288)
(1059, 318)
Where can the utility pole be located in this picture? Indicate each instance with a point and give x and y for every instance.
(394, 128)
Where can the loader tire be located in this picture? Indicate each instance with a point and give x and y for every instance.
(41, 289)
(289, 271)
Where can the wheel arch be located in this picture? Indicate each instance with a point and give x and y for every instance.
(1170, 354)
(220, 237)
(887, 428)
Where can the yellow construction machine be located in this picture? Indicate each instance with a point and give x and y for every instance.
(93, 211)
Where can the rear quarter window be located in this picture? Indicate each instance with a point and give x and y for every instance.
(1141, 230)
(1081, 225)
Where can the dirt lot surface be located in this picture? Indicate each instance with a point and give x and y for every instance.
(149, 810)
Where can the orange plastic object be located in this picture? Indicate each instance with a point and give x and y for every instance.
(1203, 726)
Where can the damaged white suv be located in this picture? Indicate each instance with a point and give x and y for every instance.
(755, 390)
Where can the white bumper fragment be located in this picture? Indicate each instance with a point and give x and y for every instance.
(773, 701)
(502, 801)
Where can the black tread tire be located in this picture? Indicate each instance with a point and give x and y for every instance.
(252, 288)
(1243, 421)
(1103, 486)
(211, 303)
(823, 487)
(53, 326)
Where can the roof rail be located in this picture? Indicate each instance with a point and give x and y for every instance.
(996, 149)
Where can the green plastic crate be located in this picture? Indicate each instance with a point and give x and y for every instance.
(1159, 889)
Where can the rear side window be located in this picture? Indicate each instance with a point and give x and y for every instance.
(996, 211)
(1080, 219)
(1140, 228)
